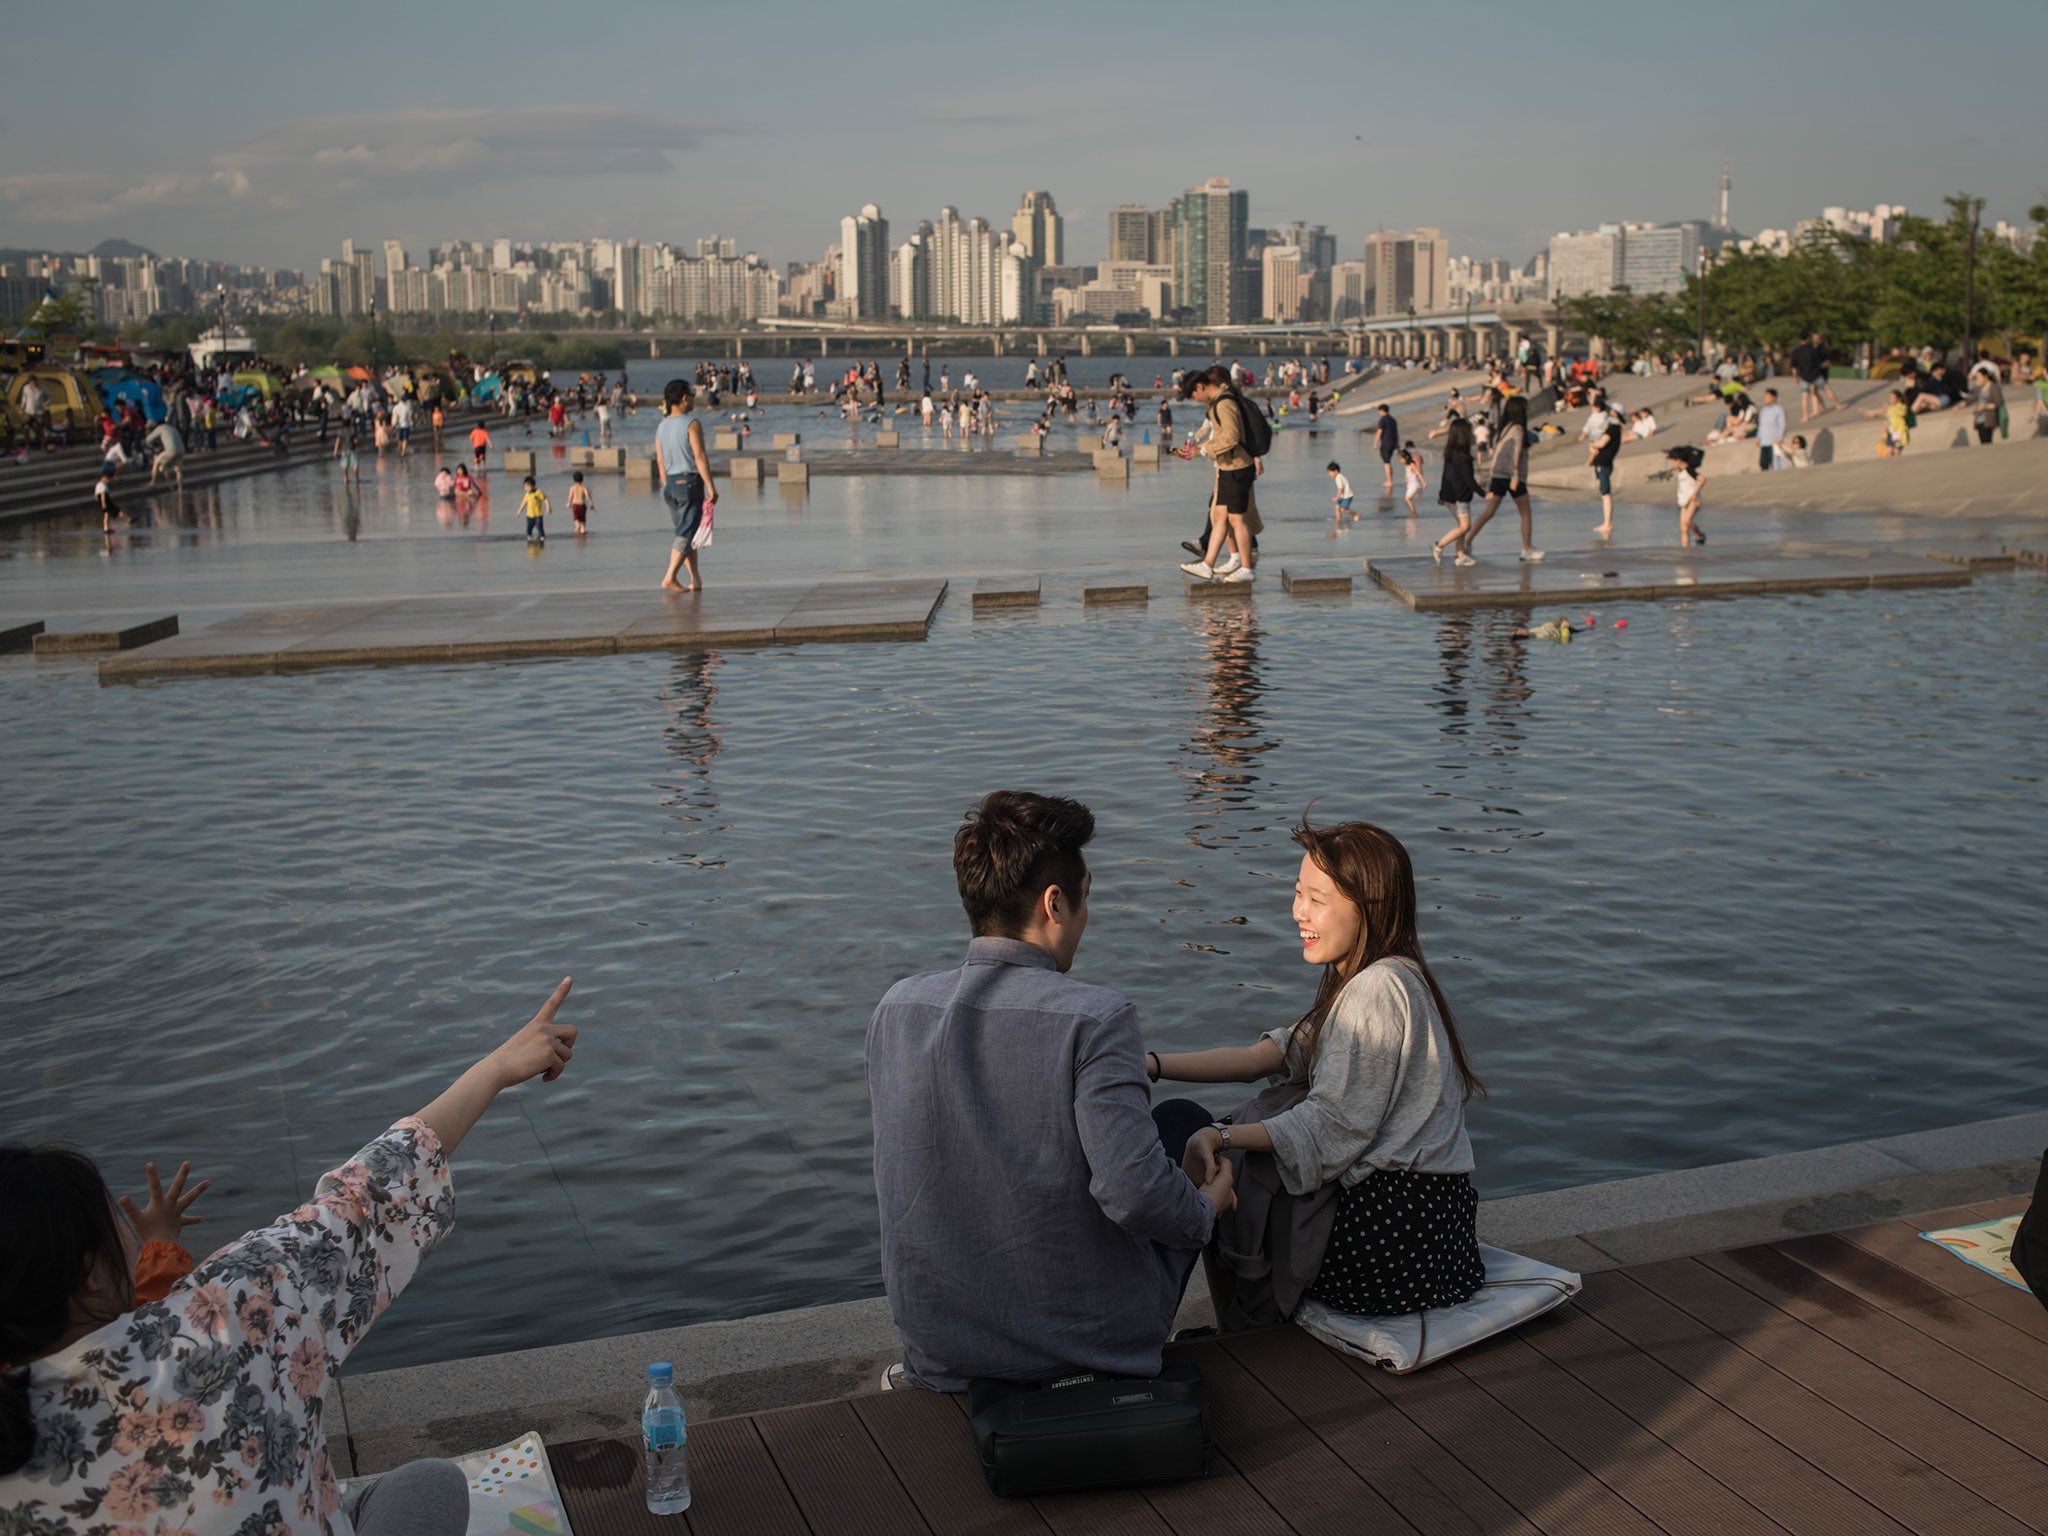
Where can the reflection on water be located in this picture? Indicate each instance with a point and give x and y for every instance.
(303, 902)
(1227, 736)
(1483, 657)
(691, 737)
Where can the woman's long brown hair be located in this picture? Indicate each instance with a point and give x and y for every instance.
(1369, 865)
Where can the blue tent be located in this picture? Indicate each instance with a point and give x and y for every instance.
(119, 384)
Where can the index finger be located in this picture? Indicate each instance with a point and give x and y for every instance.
(547, 1009)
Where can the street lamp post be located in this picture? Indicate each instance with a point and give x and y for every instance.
(1976, 207)
(221, 292)
(1700, 282)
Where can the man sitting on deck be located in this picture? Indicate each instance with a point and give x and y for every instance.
(1033, 1221)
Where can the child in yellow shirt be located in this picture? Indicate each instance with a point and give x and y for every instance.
(535, 506)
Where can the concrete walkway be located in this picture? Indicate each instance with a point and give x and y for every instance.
(494, 628)
(1569, 577)
(575, 1390)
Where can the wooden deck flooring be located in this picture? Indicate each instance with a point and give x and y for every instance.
(1858, 1382)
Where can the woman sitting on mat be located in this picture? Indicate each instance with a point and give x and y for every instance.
(204, 1413)
(1353, 1171)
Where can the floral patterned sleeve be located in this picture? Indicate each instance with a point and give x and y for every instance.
(203, 1414)
(334, 1264)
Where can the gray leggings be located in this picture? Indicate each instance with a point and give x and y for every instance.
(421, 1498)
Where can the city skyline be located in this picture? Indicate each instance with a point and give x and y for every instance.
(274, 173)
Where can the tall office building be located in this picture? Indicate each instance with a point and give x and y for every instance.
(1643, 258)
(864, 265)
(1130, 234)
(1656, 258)
(1038, 227)
(1280, 271)
(1212, 280)
(1408, 272)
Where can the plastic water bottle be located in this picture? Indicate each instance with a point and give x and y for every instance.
(668, 1443)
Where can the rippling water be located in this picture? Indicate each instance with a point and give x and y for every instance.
(1747, 877)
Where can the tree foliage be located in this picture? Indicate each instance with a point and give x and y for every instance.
(1911, 291)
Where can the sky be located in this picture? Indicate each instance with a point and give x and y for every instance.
(266, 134)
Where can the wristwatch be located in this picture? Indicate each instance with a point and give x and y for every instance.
(1223, 1127)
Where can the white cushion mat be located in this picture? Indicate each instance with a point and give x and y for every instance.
(1516, 1290)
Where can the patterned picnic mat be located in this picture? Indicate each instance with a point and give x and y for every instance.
(1986, 1244)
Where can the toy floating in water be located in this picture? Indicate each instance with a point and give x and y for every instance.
(1560, 630)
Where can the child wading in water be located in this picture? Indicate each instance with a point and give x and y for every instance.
(1340, 500)
(1459, 485)
(580, 503)
(536, 509)
(1685, 464)
(1411, 463)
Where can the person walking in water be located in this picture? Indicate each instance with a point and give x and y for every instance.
(1459, 485)
(1510, 474)
(1685, 464)
(1387, 438)
(685, 480)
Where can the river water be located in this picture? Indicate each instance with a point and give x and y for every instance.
(1745, 877)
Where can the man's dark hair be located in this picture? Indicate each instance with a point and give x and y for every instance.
(1010, 848)
(675, 392)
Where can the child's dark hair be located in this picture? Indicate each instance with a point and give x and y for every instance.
(57, 1226)
(528, 482)
(577, 477)
(1684, 453)
(1332, 467)
(1458, 441)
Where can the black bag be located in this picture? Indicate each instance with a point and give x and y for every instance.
(2030, 1242)
(1089, 1431)
(1258, 431)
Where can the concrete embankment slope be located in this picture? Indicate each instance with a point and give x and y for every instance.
(572, 1391)
(2005, 479)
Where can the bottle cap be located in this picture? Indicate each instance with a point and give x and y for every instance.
(661, 1370)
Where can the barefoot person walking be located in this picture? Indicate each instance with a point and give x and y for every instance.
(685, 480)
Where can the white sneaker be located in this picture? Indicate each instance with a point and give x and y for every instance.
(1531, 556)
(893, 1378)
(1200, 568)
(1228, 563)
(1242, 574)
(1464, 560)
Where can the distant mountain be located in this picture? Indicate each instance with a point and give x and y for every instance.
(119, 248)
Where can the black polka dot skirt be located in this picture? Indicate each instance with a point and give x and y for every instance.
(1402, 1242)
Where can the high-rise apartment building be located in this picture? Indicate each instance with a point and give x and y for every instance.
(1212, 279)
(1408, 272)
(1038, 227)
(1280, 274)
(1586, 262)
(864, 265)
(1130, 234)
(1643, 258)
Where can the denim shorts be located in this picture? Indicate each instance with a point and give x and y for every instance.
(1603, 476)
(685, 497)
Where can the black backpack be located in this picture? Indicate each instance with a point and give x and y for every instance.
(1258, 431)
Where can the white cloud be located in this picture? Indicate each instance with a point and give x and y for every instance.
(393, 155)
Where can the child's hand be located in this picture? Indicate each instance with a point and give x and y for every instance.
(164, 1218)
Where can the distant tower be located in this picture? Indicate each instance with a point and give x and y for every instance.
(1724, 224)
